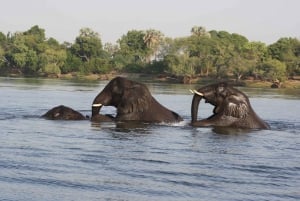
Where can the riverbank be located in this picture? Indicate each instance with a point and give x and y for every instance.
(291, 83)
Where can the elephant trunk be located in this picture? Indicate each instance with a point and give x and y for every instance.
(102, 99)
(195, 106)
(96, 109)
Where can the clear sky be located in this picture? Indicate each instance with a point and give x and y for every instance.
(258, 20)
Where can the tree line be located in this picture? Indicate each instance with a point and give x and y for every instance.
(217, 54)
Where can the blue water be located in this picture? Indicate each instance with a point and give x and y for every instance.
(79, 160)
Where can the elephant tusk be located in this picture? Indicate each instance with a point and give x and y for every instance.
(97, 105)
(196, 92)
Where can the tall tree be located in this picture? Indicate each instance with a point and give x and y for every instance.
(152, 39)
(133, 43)
(202, 47)
(199, 31)
(53, 57)
(2, 48)
(133, 49)
(287, 51)
(35, 39)
(21, 56)
(274, 70)
(87, 45)
(111, 49)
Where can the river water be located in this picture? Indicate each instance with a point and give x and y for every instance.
(79, 160)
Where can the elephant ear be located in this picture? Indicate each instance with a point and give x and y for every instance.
(136, 98)
(236, 106)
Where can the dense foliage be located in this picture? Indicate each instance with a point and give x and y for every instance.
(203, 53)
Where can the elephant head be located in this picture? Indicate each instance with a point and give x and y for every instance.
(63, 113)
(231, 108)
(133, 101)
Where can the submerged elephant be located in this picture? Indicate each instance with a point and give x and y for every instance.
(133, 102)
(62, 112)
(232, 108)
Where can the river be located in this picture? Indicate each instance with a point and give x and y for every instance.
(79, 160)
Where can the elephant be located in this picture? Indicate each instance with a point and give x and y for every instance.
(231, 108)
(133, 102)
(62, 112)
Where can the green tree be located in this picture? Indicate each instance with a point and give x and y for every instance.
(199, 31)
(172, 58)
(224, 51)
(173, 64)
(254, 53)
(2, 39)
(87, 45)
(2, 55)
(54, 60)
(111, 49)
(274, 70)
(240, 66)
(133, 50)
(175, 55)
(37, 32)
(152, 39)
(229, 55)
(23, 50)
(31, 53)
(287, 51)
(98, 65)
(202, 47)
(17, 51)
(72, 63)
(2, 49)
(35, 39)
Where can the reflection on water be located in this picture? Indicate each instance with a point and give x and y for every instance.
(231, 131)
(81, 160)
(272, 93)
(123, 127)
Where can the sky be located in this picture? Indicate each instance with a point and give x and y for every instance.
(258, 20)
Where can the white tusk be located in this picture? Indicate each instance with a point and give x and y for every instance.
(198, 93)
(191, 91)
(97, 105)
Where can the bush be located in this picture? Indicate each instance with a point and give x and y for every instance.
(51, 69)
(134, 68)
(72, 64)
(274, 70)
(156, 67)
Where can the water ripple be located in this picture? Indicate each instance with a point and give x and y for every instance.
(62, 160)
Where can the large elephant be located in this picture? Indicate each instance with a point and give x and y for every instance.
(62, 112)
(133, 102)
(232, 108)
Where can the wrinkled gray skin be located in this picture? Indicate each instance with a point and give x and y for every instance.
(232, 108)
(62, 112)
(133, 102)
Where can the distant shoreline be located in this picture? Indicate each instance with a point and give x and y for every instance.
(288, 84)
